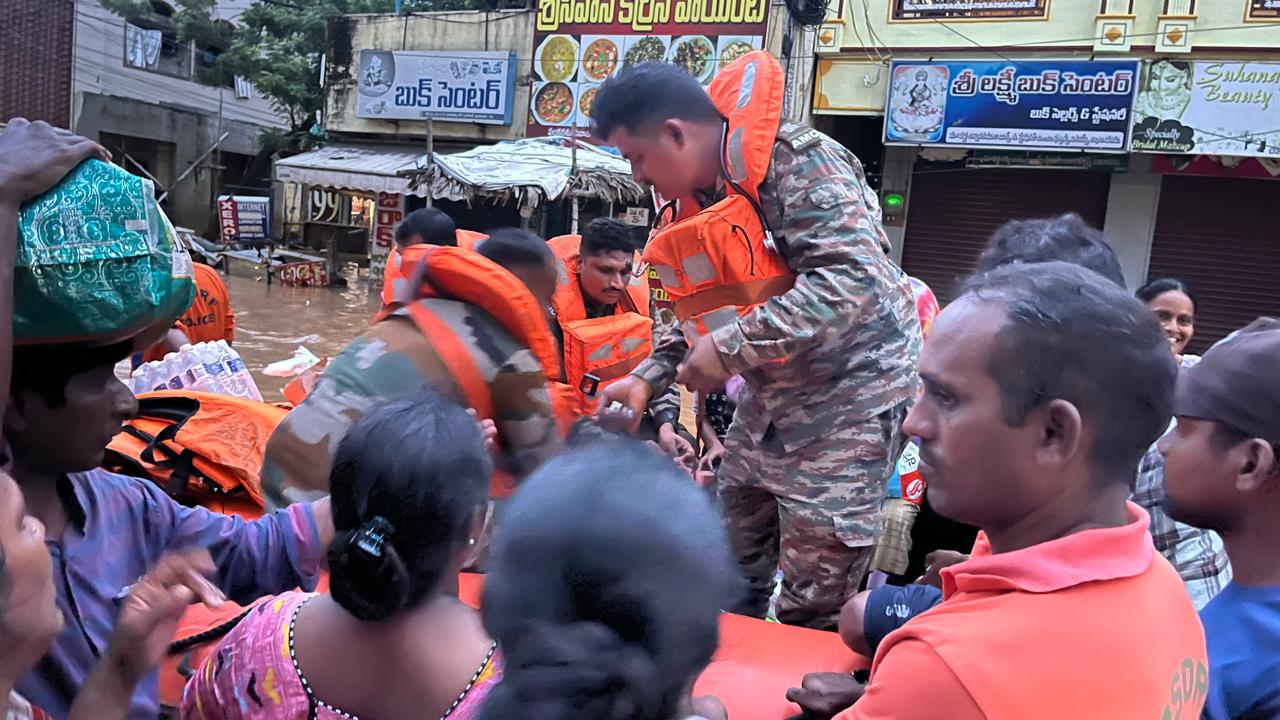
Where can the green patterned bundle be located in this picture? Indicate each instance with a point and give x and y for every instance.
(98, 261)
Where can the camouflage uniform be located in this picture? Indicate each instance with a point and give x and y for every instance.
(393, 358)
(830, 369)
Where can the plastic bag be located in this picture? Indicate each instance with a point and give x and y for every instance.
(97, 261)
(301, 361)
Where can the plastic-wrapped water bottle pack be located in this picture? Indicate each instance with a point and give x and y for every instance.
(208, 367)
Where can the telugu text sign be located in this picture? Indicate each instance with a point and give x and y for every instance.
(1208, 108)
(441, 85)
(578, 44)
(969, 9)
(1030, 105)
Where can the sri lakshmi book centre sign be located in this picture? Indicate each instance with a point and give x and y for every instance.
(1028, 105)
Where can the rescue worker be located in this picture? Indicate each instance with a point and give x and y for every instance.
(482, 338)
(603, 322)
(775, 269)
(209, 318)
(424, 226)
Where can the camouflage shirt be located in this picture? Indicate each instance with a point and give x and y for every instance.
(843, 344)
(393, 358)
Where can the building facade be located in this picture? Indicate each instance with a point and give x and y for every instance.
(1157, 121)
(474, 78)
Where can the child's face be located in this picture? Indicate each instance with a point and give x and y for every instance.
(71, 436)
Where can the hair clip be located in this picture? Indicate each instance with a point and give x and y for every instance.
(373, 535)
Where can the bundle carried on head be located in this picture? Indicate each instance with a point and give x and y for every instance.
(98, 261)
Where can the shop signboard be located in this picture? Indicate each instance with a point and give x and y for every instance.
(1061, 105)
(302, 274)
(578, 44)
(442, 85)
(386, 217)
(1208, 108)
(244, 218)
(1267, 10)
(902, 10)
(1108, 163)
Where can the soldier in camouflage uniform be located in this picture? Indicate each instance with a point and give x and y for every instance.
(394, 358)
(829, 366)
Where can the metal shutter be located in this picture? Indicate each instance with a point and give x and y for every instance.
(954, 212)
(1220, 235)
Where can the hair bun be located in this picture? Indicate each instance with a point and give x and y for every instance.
(370, 585)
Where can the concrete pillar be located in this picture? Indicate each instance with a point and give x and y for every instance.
(1131, 218)
(899, 162)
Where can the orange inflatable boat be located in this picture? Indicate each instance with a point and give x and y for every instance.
(756, 663)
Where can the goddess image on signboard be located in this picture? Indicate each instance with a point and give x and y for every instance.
(918, 103)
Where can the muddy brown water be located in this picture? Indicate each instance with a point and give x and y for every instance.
(273, 320)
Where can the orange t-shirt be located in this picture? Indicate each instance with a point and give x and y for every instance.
(209, 318)
(1093, 625)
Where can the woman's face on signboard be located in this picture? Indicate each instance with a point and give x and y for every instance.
(1167, 79)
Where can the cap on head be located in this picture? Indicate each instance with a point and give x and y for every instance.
(1237, 383)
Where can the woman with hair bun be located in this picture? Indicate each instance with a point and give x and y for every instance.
(391, 640)
(605, 586)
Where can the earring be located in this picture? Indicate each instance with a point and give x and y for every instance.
(472, 541)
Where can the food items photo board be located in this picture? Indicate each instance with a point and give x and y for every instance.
(579, 44)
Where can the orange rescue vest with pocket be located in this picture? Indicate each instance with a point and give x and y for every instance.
(721, 262)
(456, 274)
(604, 348)
(398, 263)
(202, 448)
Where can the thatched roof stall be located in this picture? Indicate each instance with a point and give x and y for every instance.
(530, 172)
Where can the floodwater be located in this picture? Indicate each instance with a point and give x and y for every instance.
(272, 320)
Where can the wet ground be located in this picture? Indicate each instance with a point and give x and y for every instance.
(272, 321)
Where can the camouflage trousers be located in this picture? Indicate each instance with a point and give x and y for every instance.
(814, 514)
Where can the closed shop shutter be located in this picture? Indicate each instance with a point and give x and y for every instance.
(1220, 235)
(954, 212)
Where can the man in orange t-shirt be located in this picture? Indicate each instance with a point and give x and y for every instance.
(209, 318)
(1043, 387)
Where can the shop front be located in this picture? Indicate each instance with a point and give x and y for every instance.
(999, 141)
(1215, 126)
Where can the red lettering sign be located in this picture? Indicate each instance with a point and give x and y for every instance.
(390, 211)
(227, 220)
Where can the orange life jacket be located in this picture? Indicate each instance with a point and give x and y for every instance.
(202, 448)
(605, 348)
(399, 264)
(720, 262)
(457, 274)
(468, 239)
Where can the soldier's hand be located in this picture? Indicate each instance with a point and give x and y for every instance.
(935, 561)
(632, 393)
(702, 369)
(35, 156)
(826, 694)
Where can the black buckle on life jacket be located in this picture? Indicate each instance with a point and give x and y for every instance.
(589, 384)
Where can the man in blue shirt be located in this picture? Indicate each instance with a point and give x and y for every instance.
(1222, 473)
(106, 531)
